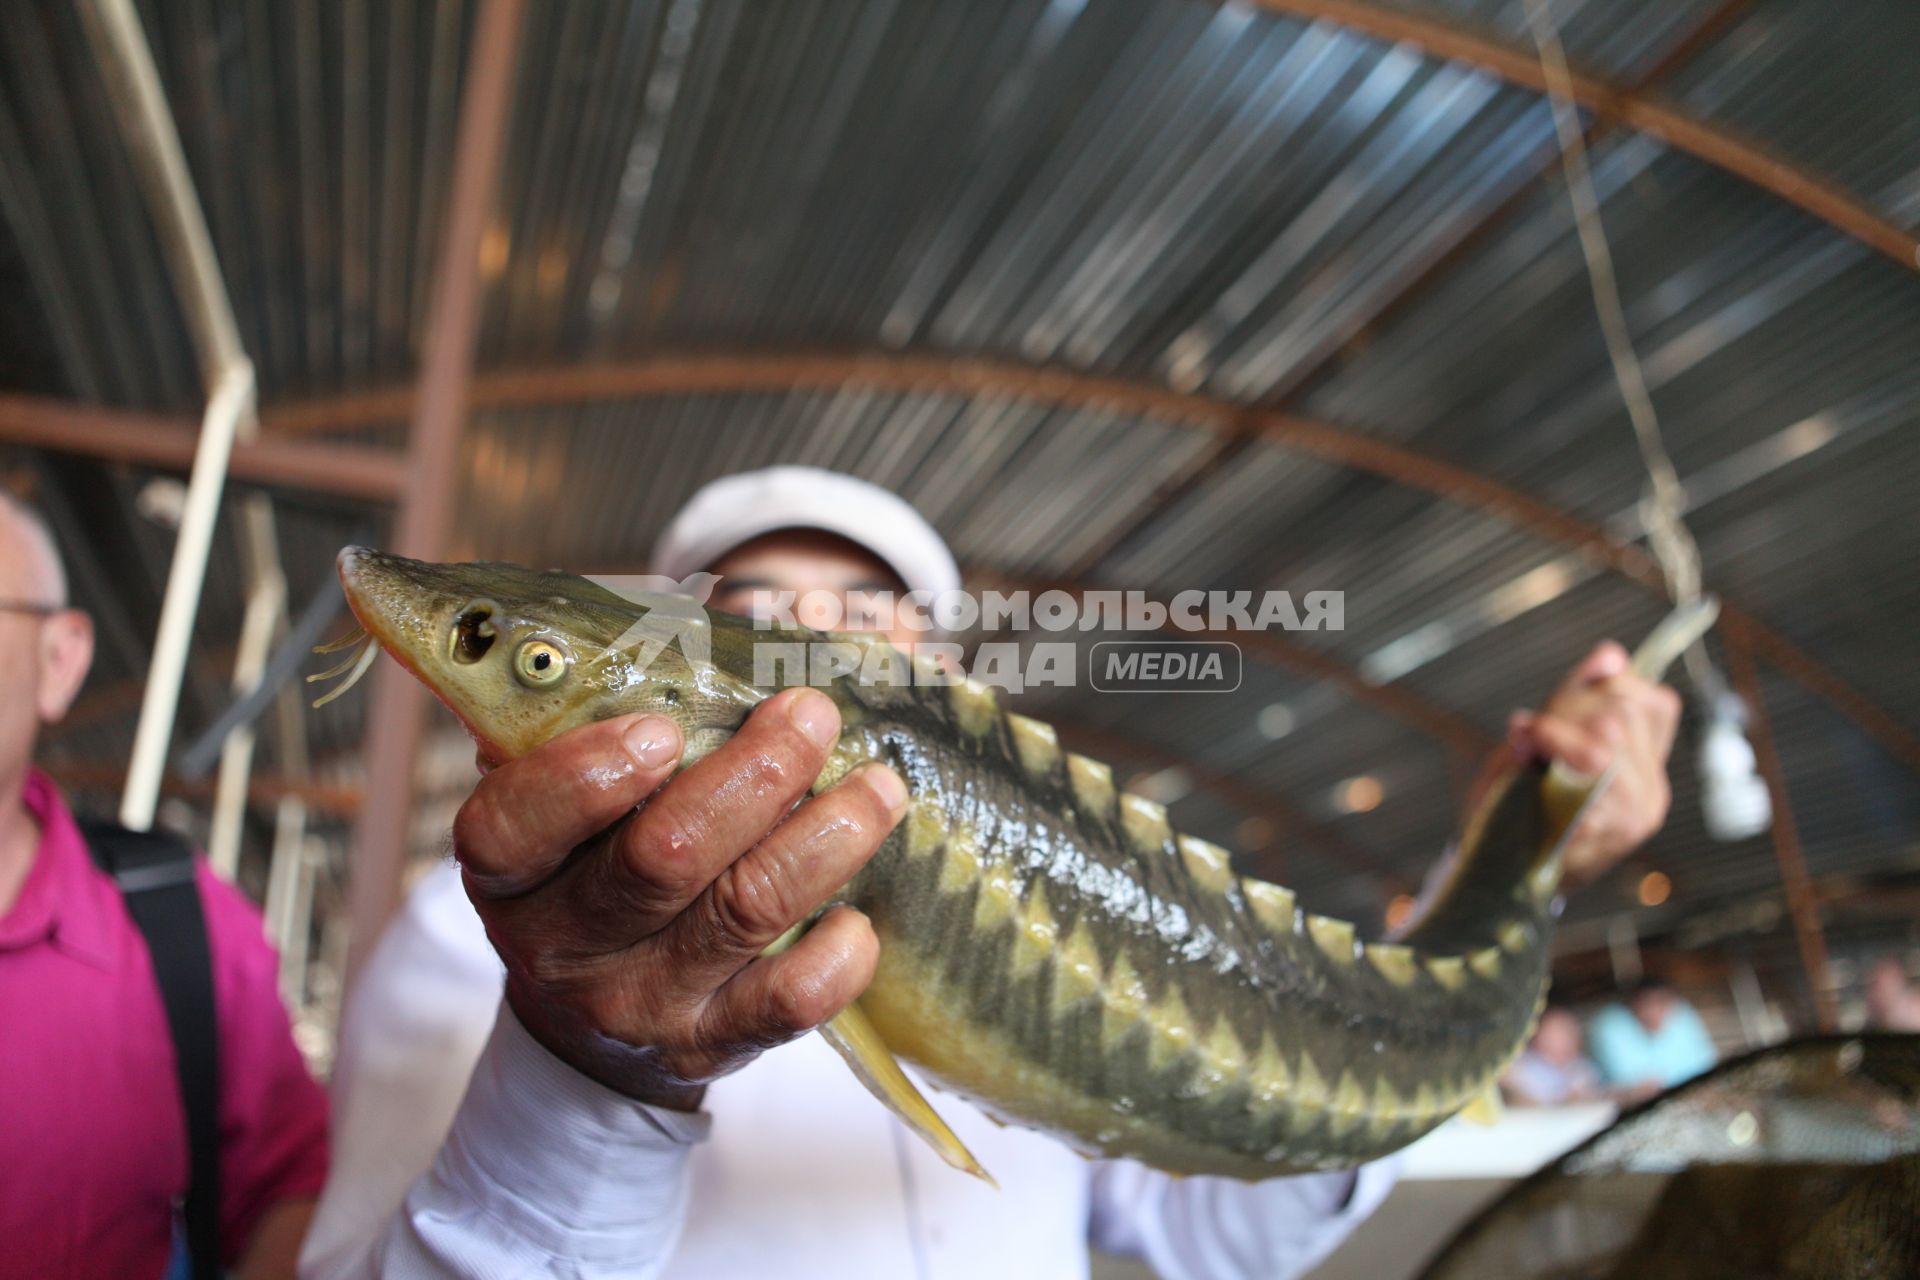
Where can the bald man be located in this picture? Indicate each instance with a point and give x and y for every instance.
(93, 1134)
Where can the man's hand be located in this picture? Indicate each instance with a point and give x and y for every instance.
(632, 939)
(1603, 713)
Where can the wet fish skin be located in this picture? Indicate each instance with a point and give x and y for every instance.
(1050, 946)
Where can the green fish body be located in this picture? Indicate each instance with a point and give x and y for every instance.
(1050, 946)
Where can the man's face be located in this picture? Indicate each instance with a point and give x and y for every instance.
(46, 656)
(806, 561)
(1558, 1037)
(1652, 1007)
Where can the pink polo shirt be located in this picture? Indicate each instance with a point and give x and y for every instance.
(93, 1148)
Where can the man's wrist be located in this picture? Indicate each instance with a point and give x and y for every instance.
(523, 1067)
(626, 1069)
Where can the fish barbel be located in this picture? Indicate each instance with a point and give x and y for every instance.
(1049, 946)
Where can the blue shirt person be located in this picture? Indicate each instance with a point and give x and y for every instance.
(1655, 1043)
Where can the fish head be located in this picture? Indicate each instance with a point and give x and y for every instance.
(521, 655)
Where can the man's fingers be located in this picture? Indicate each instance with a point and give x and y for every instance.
(704, 819)
(526, 816)
(1663, 706)
(1579, 745)
(779, 882)
(777, 998)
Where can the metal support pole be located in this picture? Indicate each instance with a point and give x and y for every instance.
(232, 401)
(266, 607)
(289, 912)
(1801, 906)
(398, 722)
(289, 868)
(153, 144)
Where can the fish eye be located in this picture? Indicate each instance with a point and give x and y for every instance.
(473, 634)
(538, 663)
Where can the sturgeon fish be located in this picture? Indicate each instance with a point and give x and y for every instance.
(1049, 946)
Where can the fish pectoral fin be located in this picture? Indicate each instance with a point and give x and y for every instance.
(1485, 1109)
(856, 1040)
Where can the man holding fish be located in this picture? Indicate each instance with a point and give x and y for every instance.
(611, 976)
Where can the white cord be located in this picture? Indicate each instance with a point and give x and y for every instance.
(1664, 501)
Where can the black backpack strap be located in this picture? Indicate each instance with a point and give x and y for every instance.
(155, 873)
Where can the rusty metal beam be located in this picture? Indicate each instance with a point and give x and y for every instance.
(1458, 733)
(1229, 448)
(1821, 681)
(694, 373)
(112, 701)
(344, 799)
(1226, 451)
(395, 732)
(1716, 23)
(1452, 730)
(1337, 851)
(1540, 170)
(263, 790)
(167, 443)
(1802, 906)
(1449, 728)
(1678, 129)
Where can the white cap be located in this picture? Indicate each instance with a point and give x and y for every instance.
(738, 508)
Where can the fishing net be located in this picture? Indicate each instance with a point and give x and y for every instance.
(1800, 1162)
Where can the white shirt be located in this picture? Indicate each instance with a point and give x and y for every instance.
(462, 1147)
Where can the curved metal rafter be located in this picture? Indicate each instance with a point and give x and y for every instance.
(1276, 648)
(168, 443)
(690, 374)
(1541, 169)
(339, 800)
(1608, 101)
(1452, 731)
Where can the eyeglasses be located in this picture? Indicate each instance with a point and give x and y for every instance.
(29, 606)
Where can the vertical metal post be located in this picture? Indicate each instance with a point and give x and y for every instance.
(287, 859)
(1801, 907)
(266, 607)
(231, 403)
(153, 144)
(398, 721)
(289, 913)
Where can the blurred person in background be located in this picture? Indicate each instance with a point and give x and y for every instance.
(94, 1133)
(1653, 1042)
(1892, 1002)
(1554, 1070)
(664, 1112)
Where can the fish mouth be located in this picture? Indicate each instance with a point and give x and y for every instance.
(363, 573)
(384, 593)
(369, 639)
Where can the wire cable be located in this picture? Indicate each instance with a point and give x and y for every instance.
(1663, 503)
